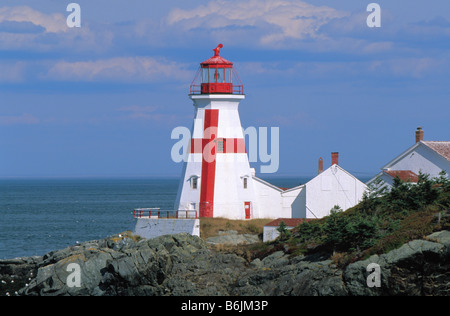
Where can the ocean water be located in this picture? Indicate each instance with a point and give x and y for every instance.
(42, 215)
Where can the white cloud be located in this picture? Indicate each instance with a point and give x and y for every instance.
(52, 23)
(410, 67)
(24, 28)
(277, 20)
(136, 69)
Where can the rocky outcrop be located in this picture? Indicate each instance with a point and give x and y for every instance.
(420, 267)
(185, 265)
(231, 237)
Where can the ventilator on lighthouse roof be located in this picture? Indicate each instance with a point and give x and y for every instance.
(216, 76)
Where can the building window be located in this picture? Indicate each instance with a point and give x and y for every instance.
(220, 146)
(245, 182)
(194, 183)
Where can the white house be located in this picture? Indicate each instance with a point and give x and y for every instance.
(315, 199)
(427, 157)
(334, 186)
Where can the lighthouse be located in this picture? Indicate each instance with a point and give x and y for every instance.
(217, 180)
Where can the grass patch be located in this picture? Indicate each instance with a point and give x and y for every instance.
(210, 227)
(414, 226)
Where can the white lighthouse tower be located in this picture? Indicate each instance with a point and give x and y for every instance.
(217, 179)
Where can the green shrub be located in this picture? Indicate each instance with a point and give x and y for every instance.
(384, 220)
(284, 232)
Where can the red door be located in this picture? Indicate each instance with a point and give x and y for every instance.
(247, 210)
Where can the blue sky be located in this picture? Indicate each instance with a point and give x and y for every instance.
(102, 99)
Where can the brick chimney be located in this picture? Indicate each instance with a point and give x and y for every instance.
(335, 158)
(419, 134)
(320, 165)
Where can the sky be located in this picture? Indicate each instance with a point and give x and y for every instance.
(102, 99)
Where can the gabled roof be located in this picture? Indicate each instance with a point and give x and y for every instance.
(286, 190)
(404, 175)
(301, 186)
(267, 183)
(338, 167)
(442, 148)
(403, 154)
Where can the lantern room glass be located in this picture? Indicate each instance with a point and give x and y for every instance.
(205, 75)
(219, 75)
(216, 75)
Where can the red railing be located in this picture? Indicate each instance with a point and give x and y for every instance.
(197, 89)
(157, 213)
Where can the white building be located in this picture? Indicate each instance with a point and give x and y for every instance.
(427, 157)
(315, 199)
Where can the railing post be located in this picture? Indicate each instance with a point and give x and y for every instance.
(178, 214)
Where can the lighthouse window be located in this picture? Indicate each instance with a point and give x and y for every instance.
(245, 183)
(219, 75)
(205, 75)
(220, 146)
(194, 183)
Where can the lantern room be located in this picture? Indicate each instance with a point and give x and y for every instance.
(216, 76)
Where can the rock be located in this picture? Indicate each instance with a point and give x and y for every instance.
(231, 237)
(17, 273)
(280, 276)
(227, 232)
(420, 267)
(442, 237)
(257, 263)
(276, 259)
(184, 265)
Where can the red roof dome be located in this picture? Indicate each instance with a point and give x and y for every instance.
(216, 60)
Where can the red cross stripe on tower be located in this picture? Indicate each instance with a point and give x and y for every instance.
(209, 146)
